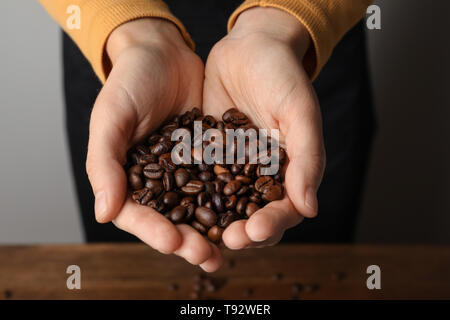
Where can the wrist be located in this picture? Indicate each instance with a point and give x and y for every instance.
(274, 23)
(143, 32)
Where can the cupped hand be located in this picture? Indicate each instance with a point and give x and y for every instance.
(258, 69)
(154, 75)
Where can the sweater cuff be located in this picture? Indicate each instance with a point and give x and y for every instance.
(312, 17)
(106, 15)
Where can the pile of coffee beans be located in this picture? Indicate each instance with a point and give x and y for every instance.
(209, 197)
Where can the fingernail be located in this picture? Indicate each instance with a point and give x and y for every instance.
(100, 205)
(311, 199)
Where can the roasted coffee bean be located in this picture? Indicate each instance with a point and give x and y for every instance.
(210, 121)
(153, 139)
(241, 205)
(225, 177)
(165, 161)
(136, 169)
(236, 168)
(145, 159)
(209, 187)
(134, 177)
(255, 198)
(296, 288)
(204, 167)
(205, 216)
(238, 118)
(282, 156)
(135, 182)
(225, 219)
(215, 234)
(218, 169)
(157, 205)
(231, 202)
(187, 119)
(311, 287)
(168, 181)
(193, 173)
(142, 196)
(186, 200)
(243, 179)
(218, 185)
(251, 209)
(249, 169)
(205, 176)
(170, 126)
(193, 187)
(263, 182)
(182, 177)
(220, 125)
(217, 202)
(177, 214)
(231, 187)
(200, 193)
(170, 199)
(272, 192)
(190, 209)
(198, 226)
(243, 190)
(153, 171)
(277, 276)
(226, 117)
(134, 158)
(155, 186)
(278, 177)
(203, 198)
(161, 147)
(141, 150)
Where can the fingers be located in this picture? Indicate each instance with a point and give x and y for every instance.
(215, 260)
(111, 125)
(305, 149)
(159, 233)
(149, 226)
(265, 227)
(271, 220)
(194, 248)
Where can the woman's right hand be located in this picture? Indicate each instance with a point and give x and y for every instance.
(154, 75)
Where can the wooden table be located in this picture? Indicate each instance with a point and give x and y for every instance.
(134, 271)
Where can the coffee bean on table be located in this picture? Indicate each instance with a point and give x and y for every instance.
(209, 197)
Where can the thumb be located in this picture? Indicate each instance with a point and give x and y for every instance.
(110, 129)
(306, 153)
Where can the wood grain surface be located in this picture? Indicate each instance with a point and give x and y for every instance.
(134, 271)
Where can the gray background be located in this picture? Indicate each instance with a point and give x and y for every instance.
(406, 199)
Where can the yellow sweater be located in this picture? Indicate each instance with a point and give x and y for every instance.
(326, 20)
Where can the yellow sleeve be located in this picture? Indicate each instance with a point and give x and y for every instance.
(326, 20)
(98, 18)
